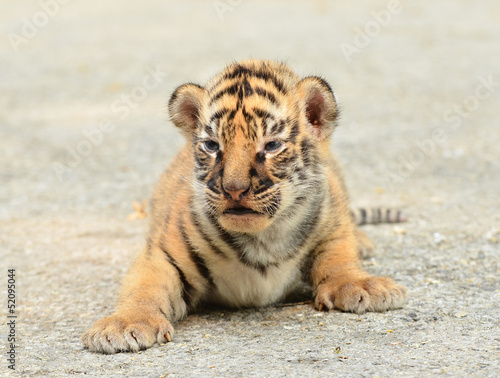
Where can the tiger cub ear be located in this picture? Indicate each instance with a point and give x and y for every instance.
(185, 106)
(320, 106)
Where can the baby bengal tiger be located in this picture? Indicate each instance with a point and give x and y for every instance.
(252, 207)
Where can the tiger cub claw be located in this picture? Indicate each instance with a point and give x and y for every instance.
(119, 333)
(369, 294)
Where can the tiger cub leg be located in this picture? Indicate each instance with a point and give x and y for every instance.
(151, 299)
(339, 282)
(365, 246)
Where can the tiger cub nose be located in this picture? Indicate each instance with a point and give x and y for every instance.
(235, 192)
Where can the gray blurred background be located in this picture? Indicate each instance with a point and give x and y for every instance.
(84, 133)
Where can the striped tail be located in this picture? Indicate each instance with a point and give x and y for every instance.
(363, 216)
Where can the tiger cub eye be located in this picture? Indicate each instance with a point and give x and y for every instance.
(211, 146)
(272, 146)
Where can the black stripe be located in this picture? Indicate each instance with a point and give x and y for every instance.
(248, 117)
(265, 184)
(300, 200)
(278, 127)
(261, 113)
(237, 71)
(212, 196)
(321, 251)
(262, 268)
(260, 190)
(303, 175)
(266, 181)
(306, 229)
(212, 188)
(240, 94)
(260, 73)
(203, 176)
(209, 131)
(218, 114)
(204, 236)
(223, 234)
(294, 132)
(307, 263)
(263, 197)
(201, 159)
(187, 288)
(231, 115)
(279, 173)
(306, 151)
(231, 90)
(363, 216)
(257, 266)
(312, 256)
(262, 92)
(251, 129)
(287, 160)
(212, 183)
(197, 259)
(248, 88)
(218, 157)
(268, 76)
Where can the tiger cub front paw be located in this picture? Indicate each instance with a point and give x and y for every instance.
(124, 333)
(361, 295)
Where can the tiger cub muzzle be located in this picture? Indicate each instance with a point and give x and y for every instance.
(246, 204)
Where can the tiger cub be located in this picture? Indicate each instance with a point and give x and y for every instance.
(252, 207)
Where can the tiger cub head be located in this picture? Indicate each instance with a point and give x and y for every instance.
(260, 136)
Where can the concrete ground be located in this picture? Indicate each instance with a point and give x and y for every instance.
(84, 134)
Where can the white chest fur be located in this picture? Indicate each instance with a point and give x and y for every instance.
(242, 286)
